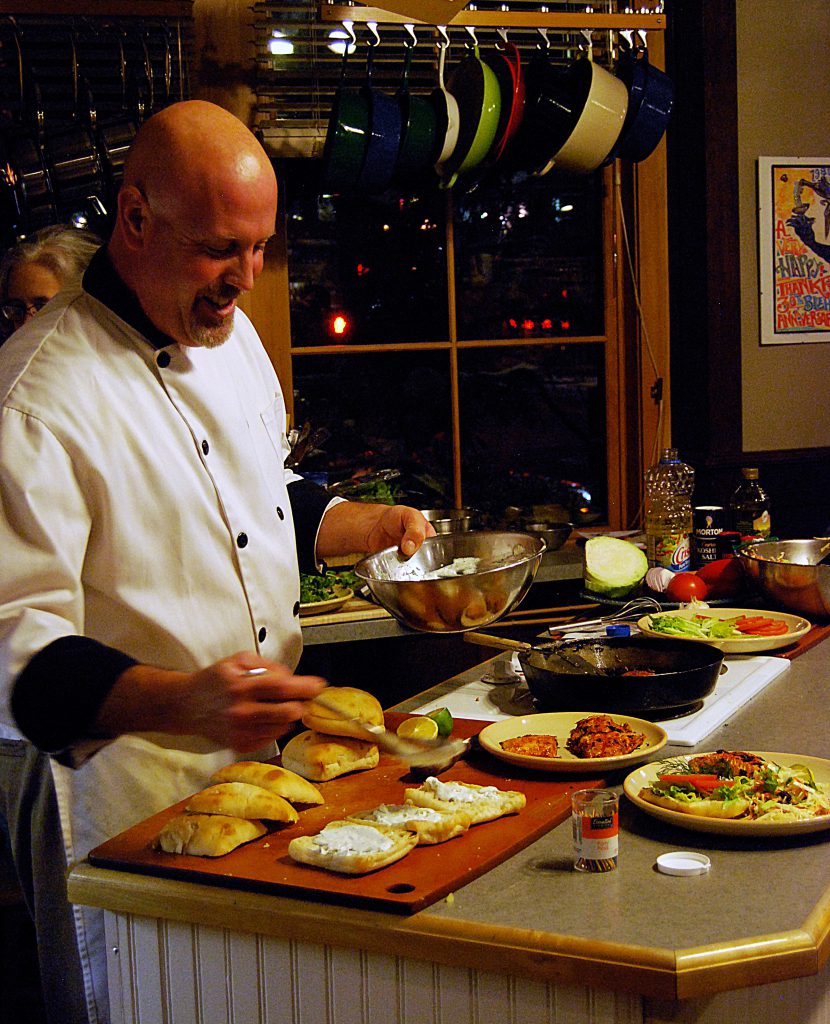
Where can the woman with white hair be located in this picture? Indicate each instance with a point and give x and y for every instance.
(37, 268)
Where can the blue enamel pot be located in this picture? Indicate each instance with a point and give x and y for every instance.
(384, 139)
(650, 101)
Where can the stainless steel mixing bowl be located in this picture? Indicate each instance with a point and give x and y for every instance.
(504, 570)
(787, 572)
(452, 520)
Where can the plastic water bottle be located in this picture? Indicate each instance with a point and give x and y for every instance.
(750, 506)
(668, 508)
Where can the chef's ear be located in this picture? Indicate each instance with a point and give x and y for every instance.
(133, 212)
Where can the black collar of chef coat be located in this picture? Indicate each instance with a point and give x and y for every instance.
(102, 282)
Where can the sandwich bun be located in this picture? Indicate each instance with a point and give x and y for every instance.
(280, 781)
(321, 757)
(207, 835)
(704, 808)
(241, 800)
(352, 702)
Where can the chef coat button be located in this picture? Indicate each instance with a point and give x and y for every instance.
(163, 359)
(205, 447)
(296, 607)
(261, 635)
(242, 540)
(280, 513)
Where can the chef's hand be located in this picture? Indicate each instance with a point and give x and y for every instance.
(357, 526)
(232, 702)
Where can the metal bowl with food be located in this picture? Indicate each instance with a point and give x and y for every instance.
(787, 572)
(454, 582)
(452, 520)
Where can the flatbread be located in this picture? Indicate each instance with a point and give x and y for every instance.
(701, 808)
(207, 835)
(481, 803)
(429, 825)
(320, 757)
(241, 800)
(353, 848)
(290, 786)
(353, 703)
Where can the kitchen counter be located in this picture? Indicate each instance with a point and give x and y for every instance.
(531, 938)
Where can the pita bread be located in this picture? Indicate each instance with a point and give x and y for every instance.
(481, 803)
(429, 825)
(320, 757)
(353, 848)
(207, 835)
(702, 808)
(290, 786)
(353, 703)
(241, 800)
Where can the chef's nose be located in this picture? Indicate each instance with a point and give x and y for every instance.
(245, 270)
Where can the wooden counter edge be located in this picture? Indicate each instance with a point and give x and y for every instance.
(541, 956)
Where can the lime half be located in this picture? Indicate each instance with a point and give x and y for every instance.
(443, 719)
(421, 728)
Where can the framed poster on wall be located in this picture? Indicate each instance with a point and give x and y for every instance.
(794, 249)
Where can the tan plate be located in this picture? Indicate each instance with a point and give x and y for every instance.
(331, 604)
(559, 724)
(734, 645)
(645, 775)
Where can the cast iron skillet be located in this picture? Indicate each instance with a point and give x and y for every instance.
(683, 672)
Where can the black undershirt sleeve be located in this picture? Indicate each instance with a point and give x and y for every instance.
(308, 502)
(58, 695)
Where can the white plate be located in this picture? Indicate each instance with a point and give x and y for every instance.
(645, 775)
(331, 604)
(560, 724)
(734, 645)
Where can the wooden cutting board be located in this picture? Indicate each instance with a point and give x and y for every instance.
(424, 876)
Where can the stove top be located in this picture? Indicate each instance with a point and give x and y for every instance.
(502, 692)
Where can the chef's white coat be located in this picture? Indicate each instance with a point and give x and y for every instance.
(143, 503)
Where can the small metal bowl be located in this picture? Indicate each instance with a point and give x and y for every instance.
(787, 572)
(553, 534)
(452, 520)
(507, 563)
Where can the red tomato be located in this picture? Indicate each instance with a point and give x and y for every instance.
(687, 586)
(705, 783)
(724, 577)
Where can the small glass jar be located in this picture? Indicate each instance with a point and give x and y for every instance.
(595, 822)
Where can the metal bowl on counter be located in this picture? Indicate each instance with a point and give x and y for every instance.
(787, 572)
(553, 534)
(454, 582)
(452, 520)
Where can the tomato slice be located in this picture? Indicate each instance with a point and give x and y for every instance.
(706, 783)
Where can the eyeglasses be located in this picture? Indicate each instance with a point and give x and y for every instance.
(18, 312)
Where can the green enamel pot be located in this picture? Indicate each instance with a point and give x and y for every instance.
(478, 94)
(419, 132)
(347, 136)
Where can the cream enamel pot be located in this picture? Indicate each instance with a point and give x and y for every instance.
(599, 122)
(448, 116)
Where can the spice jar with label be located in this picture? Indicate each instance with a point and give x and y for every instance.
(595, 823)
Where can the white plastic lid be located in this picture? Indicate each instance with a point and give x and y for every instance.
(683, 862)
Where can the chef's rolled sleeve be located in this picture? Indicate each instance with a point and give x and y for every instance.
(59, 693)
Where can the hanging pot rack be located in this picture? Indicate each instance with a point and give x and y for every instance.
(526, 20)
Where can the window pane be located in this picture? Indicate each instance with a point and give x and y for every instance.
(533, 429)
(367, 270)
(529, 259)
(384, 411)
